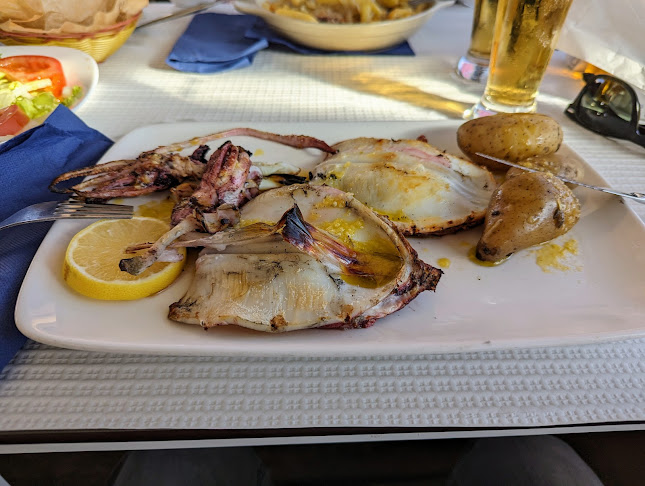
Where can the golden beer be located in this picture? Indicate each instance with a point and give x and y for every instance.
(473, 66)
(526, 32)
(481, 37)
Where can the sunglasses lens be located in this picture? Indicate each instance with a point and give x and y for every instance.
(609, 98)
(608, 106)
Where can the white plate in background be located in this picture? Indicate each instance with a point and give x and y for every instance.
(513, 305)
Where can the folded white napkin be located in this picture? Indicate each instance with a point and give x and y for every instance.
(608, 35)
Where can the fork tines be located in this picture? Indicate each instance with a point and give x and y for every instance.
(80, 209)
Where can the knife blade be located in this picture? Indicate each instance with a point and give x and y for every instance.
(636, 196)
(178, 14)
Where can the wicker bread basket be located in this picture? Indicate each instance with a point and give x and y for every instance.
(99, 44)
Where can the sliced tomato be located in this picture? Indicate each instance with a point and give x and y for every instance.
(12, 120)
(30, 68)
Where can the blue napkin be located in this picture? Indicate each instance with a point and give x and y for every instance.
(218, 42)
(28, 164)
(214, 43)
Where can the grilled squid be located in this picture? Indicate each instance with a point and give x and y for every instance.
(302, 257)
(421, 189)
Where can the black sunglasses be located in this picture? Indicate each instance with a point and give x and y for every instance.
(609, 106)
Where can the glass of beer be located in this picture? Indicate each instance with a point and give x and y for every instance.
(473, 66)
(526, 32)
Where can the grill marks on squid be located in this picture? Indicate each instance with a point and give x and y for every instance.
(163, 167)
(293, 229)
(223, 179)
(148, 173)
(309, 256)
(225, 183)
(344, 268)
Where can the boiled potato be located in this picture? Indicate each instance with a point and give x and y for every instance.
(509, 136)
(527, 209)
(556, 164)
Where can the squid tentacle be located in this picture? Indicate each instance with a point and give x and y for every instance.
(136, 265)
(296, 141)
(87, 171)
(104, 195)
(100, 181)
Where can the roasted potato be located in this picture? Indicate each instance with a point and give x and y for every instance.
(555, 164)
(509, 136)
(526, 209)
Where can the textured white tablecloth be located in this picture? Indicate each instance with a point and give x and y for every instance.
(46, 388)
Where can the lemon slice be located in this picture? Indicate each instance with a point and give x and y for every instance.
(92, 260)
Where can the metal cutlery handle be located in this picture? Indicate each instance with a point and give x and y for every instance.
(179, 14)
(636, 196)
(72, 209)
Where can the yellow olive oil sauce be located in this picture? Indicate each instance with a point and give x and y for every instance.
(380, 253)
(551, 256)
(156, 209)
(444, 262)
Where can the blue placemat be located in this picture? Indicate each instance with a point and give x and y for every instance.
(28, 163)
(218, 42)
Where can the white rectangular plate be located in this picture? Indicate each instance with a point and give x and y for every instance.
(516, 304)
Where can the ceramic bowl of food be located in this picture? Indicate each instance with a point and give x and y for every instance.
(331, 28)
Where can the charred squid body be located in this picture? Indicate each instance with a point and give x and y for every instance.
(302, 257)
(423, 190)
(148, 173)
(164, 167)
(211, 207)
(227, 181)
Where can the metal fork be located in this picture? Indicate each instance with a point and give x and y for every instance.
(71, 209)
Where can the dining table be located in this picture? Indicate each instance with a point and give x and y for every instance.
(55, 399)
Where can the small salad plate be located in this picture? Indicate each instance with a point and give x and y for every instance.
(79, 69)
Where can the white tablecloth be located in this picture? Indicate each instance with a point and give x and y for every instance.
(47, 388)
